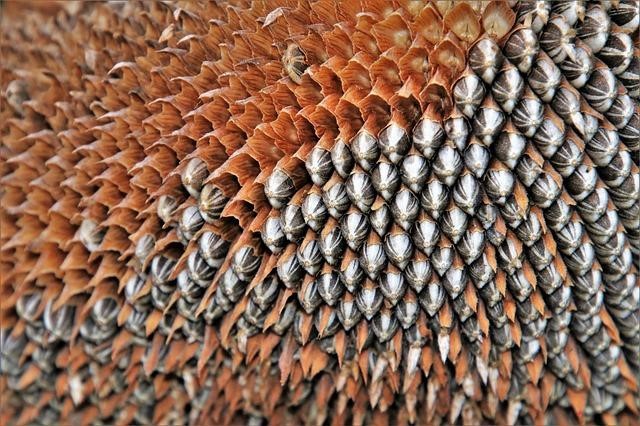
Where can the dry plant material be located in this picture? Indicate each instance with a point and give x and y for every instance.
(319, 212)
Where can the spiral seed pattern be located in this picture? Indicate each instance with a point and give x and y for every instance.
(320, 212)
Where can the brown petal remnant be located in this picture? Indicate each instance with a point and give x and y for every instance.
(429, 24)
(463, 22)
(326, 212)
(498, 19)
(449, 54)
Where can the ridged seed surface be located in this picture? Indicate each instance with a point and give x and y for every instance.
(371, 212)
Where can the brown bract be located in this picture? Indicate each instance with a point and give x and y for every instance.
(319, 212)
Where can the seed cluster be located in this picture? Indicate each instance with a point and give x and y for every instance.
(323, 213)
